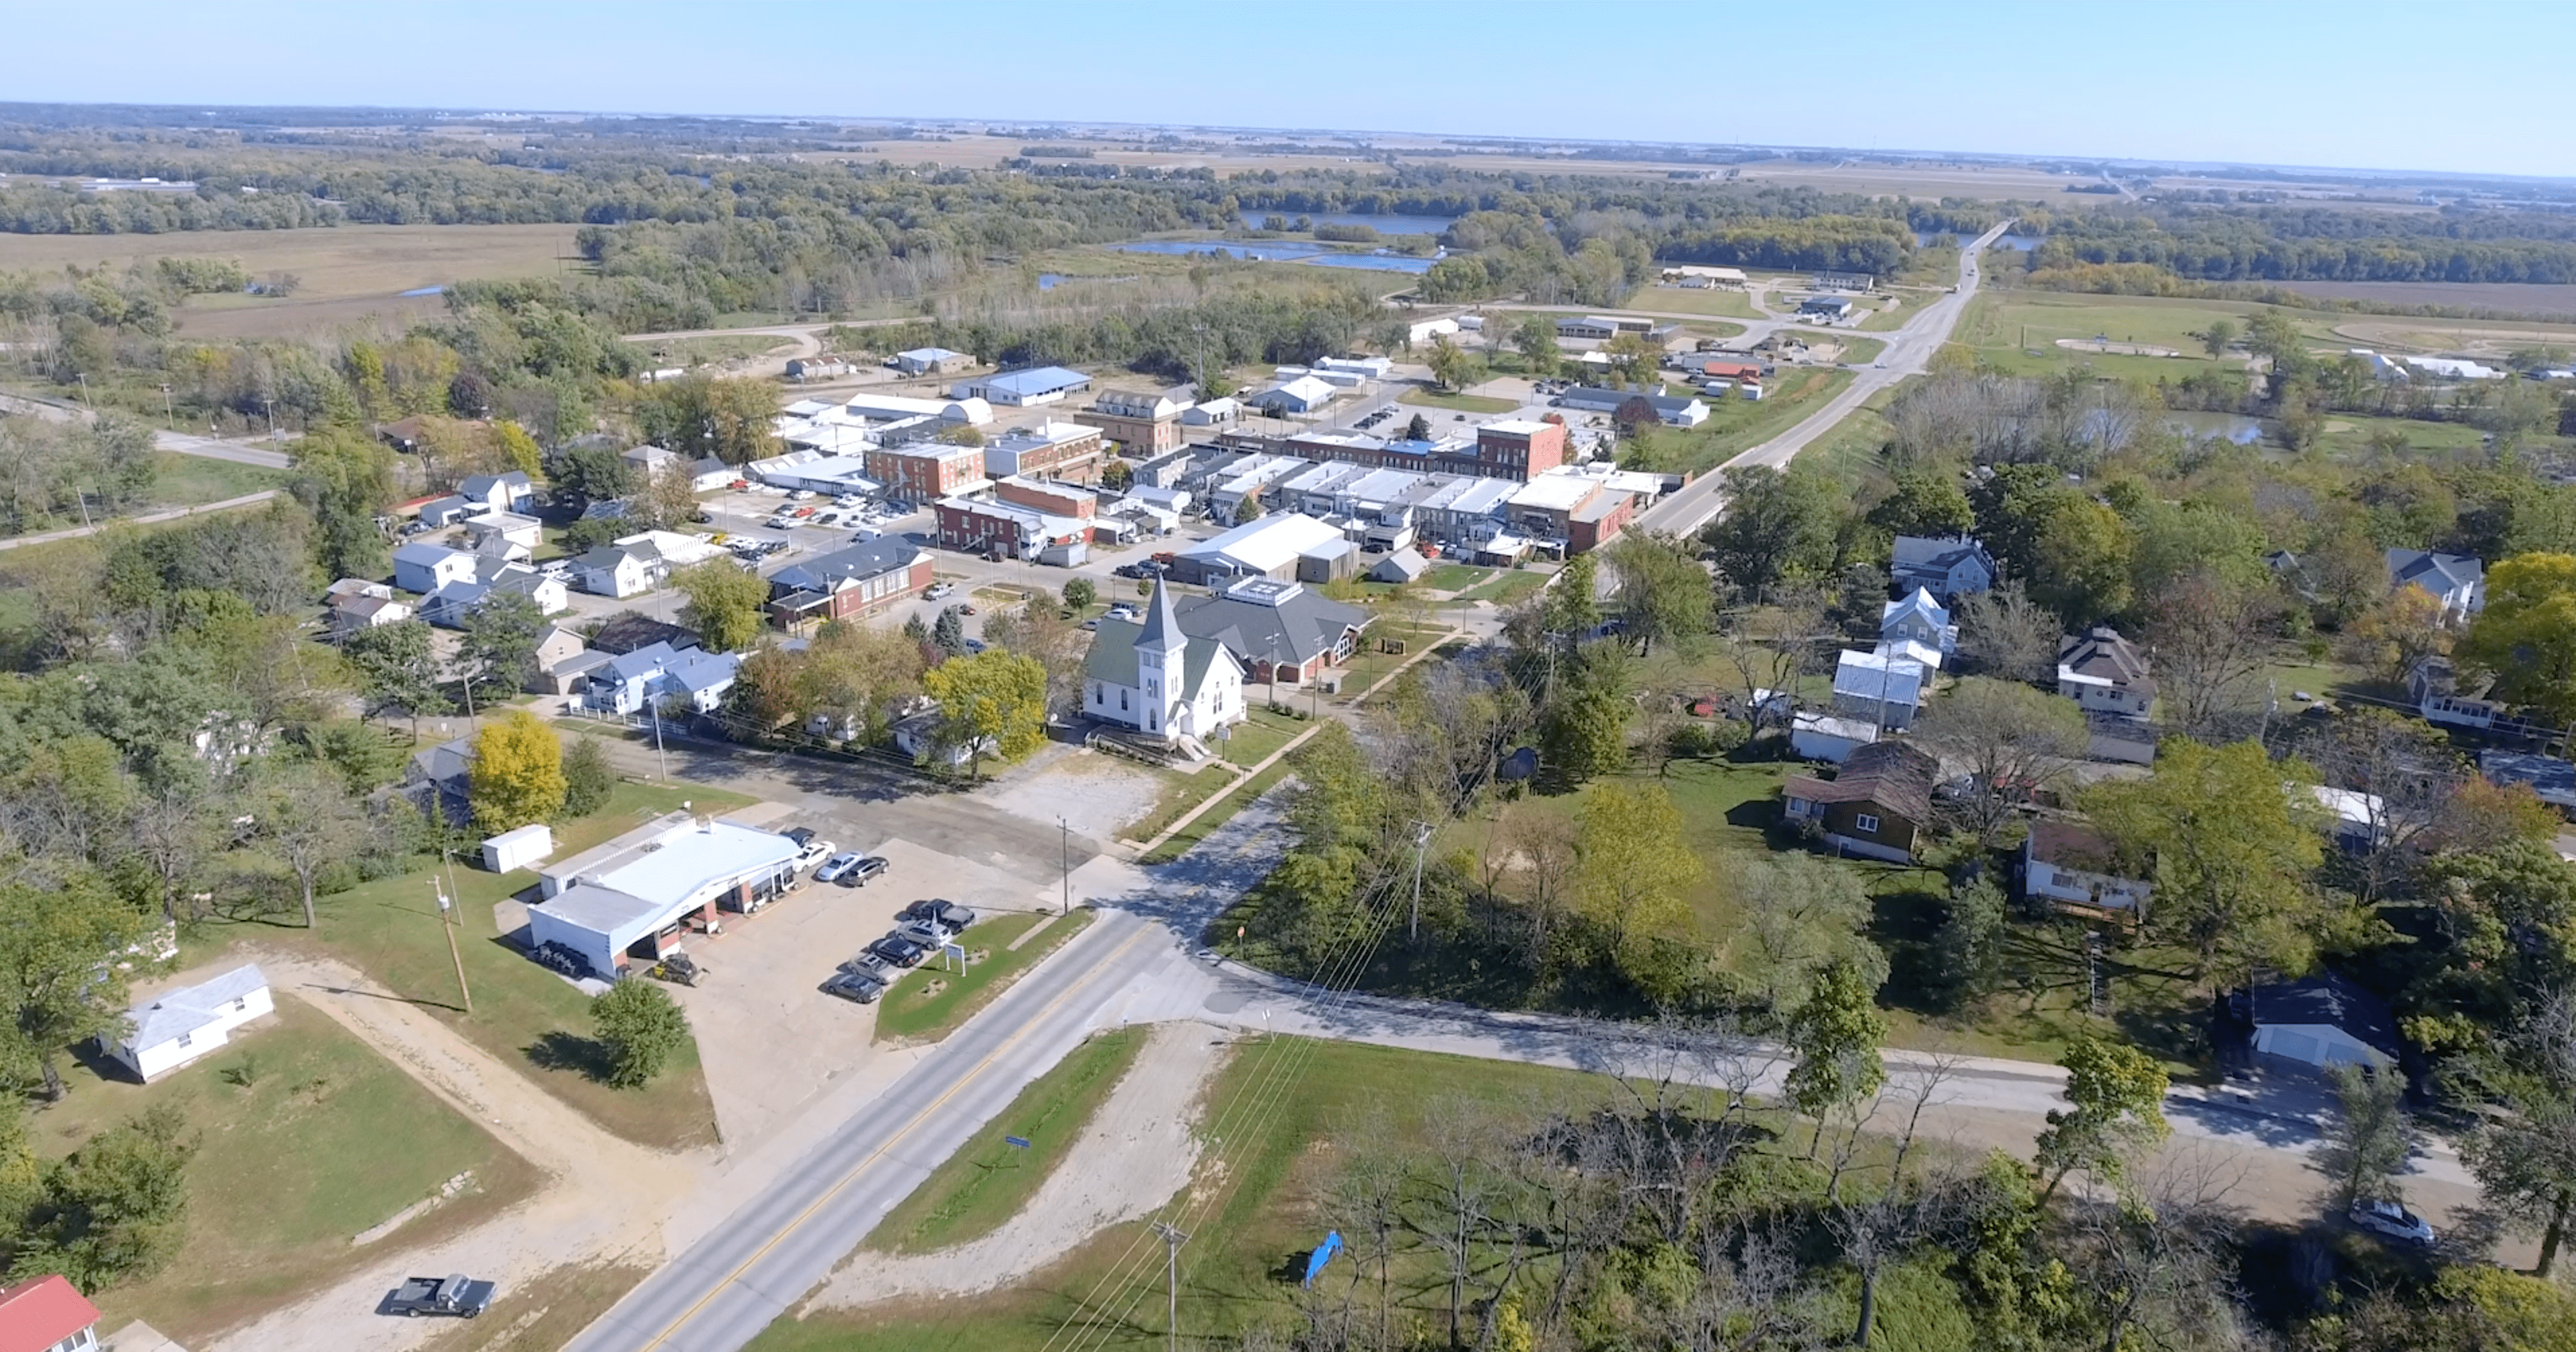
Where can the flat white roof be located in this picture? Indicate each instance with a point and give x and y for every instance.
(1554, 492)
(1271, 542)
(1514, 427)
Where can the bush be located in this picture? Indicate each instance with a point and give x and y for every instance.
(640, 1026)
(114, 1211)
(1080, 593)
(587, 778)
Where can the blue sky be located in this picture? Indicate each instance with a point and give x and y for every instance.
(2467, 87)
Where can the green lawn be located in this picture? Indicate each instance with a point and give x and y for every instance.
(1860, 351)
(186, 480)
(305, 1138)
(927, 1004)
(1735, 425)
(523, 1014)
(1505, 586)
(1286, 1117)
(1181, 791)
(1732, 302)
(1454, 577)
(1849, 454)
(981, 1187)
(1895, 312)
(1261, 733)
(1456, 403)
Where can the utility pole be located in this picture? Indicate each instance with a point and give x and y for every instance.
(1421, 842)
(657, 744)
(1172, 1240)
(1065, 863)
(169, 411)
(447, 924)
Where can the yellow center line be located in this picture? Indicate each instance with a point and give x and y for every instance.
(956, 1084)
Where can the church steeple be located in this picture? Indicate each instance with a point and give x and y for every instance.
(1162, 633)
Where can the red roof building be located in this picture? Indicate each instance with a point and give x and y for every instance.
(46, 1315)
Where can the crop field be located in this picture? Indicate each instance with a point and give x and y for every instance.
(347, 273)
(2519, 298)
(1711, 300)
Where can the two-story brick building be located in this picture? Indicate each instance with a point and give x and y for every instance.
(1143, 422)
(1054, 450)
(848, 583)
(926, 471)
(1517, 449)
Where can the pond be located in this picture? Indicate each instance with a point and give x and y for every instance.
(1384, 225)
(2231, 427)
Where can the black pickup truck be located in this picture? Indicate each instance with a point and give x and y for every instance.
(453, 1295)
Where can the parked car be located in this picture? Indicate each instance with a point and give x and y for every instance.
(815, 852)
(929, 934)
(802, 835)
(837, 867)
(937, 590)
(1122, 611)
(455, 1294)
(855, 987)
(2393, 1220)
(870, 963)
(949, 913)
(899, 950)
(870, 866)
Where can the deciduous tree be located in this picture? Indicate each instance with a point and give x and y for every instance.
(307, 816)
(1535, 339)
(1924, 501)
(1632, 867)
(115, 1210)
(2014, 741)
(518, 775)
(2008, 635)
(588, 780)
(641, 1028)
(2212, 643)
(1836, 1030)
(2118, 1095)
(727, 603)
(2230, 851)
(499, 651)
(57, 983)
(1664, 594)
(1776, 526)
(397, 669)
(2526, 637)
(2367, 1144)
(992, 704)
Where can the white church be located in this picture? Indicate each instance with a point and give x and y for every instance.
(1161, 682)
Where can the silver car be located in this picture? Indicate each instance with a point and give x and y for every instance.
(2392, 1219)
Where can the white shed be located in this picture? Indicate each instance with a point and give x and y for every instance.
(186, 1024)
(517, 849)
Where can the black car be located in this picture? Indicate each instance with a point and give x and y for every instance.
(855, 987)
(858, 874)
(900, 951)
(802, 835)
(457, 1296)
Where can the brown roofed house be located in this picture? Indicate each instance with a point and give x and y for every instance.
(1877, 806)
(2073, 866)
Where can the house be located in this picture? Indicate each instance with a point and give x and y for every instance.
(1424, 330)
(557, 649)
(47, 1314)
(1305, 394)
(1827, 308)
(1143, 422)
(449, 606)
(2457, 581)
(621, 570)
(1158, 680)
(517, 536)
(1057, 450)
(2353, 820)
(1883, 688)
(2552, 779)
(1024, 388)
(357, 604)
(860, 580)
(1877, 807)
(651, 677)
(1672, 410)
(2434, 684)
(447, 511)
(801, 369)
(1599, 327)
(1285, 633)
(441, 779)
(929, 361)
(707, 474)
(1946, 566)
(2074, 866)
(1404, 565)
(637, 896)
(2105, 673)
(2318, 1022)
(191, 1022)
(1824, 737)
(510, 491)
(1212, 413)
(2118, 737)
(1920, 619)
(424, 568)
(1267, 547)
(647, 460)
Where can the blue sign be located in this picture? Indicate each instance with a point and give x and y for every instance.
(1323, 1254)
(1022, 1142)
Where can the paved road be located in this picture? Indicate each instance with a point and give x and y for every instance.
(165, 514)
(177, 443)
(1908, 349)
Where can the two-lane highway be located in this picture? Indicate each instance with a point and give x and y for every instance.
(1908, 350)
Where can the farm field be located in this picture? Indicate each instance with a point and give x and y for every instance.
(1712, 300)
(348, 272)
(306, 1138)
(2515, 297)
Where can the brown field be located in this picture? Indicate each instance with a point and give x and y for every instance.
(2513, 297)
(1919, 180)
(349, 272)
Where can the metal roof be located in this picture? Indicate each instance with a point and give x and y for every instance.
(192, 1008)
(1035, 380)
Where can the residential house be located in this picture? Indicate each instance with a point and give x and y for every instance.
(438, 513)
(190, 1022)
(506, 535)
(1157, 679)
(1405, 565)
(2353, 820)
(2105, 673)
(48, 1314)
(621, 570)
(863, 579)
(929, 361)
(655, 676)
(707, 474)
(1884, 689)
(2434, 684)
(647, 460)
(1283, 633)
(1024, 388)
(424, 568)
(1824, 737)
(1921, 619)
(628, 630)
(561, 659)
(1946, 566)
(440, 779)
(2457, 581)
(359, 605)
(509, 491)
(2317, 1022)
(1142, 422)
(1877, 806)
(2552, 779)
(2074, 866)
(449, 606)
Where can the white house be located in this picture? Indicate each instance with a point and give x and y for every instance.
(1921, 619)
(1885, 689)
(657, 673)
(2434, 684)
(449, 605)
(1943, 566)
(185, 1024)
(1159, 681)
(506, 492)
(2457, 581)
(620, 570)
(2074, 866)
(2319, 1022)
(424, 568)
(1823, 737)
(2104, 672)
(522, 534)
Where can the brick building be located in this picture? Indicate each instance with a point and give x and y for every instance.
(849, 583)
(926, 471)
(1060, 499)
(1055, 450)
(1514, 449)
(1144, 422)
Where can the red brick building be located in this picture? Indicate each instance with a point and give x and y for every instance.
(1599, 521)
(1514, 449)
(1059, 499)
(847, 584)
(1056, 450)
(926, 471)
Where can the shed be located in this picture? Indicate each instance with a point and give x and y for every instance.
(1328, 561)
(189, 1023)
(1402, 566)
(518, 849)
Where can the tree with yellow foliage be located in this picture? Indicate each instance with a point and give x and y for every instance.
(518, 773)
(2526, 637)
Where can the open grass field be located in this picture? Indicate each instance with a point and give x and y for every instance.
(1849, 454)
(1456, 403)
(348, 272)
(984, 1184)
(1734, 425)
(305, 1138)
(1729, 302)
(1505, 587)
(2511, 297)
(927, 1004)
(186, 480)
(1894, 312)
(529, 1018)
(719, 347)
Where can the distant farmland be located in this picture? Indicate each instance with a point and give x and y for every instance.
(2518, 298)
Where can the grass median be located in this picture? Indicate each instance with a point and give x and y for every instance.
(927, 1004)
(986, 1183)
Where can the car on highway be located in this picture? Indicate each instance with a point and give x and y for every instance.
(899, 950)
(838, 867)
(2390, 1218)
(856, 987)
